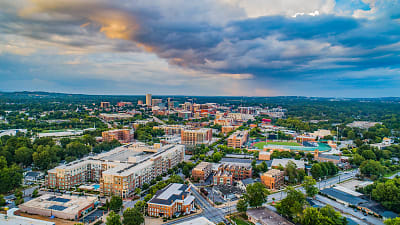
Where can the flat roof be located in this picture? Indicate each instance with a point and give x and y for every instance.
(197, 221)
(266, 216)
(69, 204)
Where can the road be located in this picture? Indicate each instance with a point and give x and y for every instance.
(342, 176)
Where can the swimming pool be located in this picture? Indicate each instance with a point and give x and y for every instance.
(96, 186)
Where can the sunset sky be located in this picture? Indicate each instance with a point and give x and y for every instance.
(342, 48)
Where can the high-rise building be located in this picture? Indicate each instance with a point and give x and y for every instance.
(148, 100)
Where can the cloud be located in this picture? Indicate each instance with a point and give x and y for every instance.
(251, 41)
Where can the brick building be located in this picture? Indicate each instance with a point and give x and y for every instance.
(173, 199)
(196, 137)
(273, 179)
(120, 170)
(202, 171)
(263, 155)
(122, 135)
(223, 178)
(238, 139)
(236, 171)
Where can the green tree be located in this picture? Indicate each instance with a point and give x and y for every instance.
(137, 191)
(116, 203)
(256, 194)
(113, 219)
(369, 154)
(316, 171)
(357, 159)
(394, 221)
(217, 156)
(371, 168)
(23, 155)
(241, 206)
(309, 185)
(292, 206)
(2, 200)
(132, 216)
(35, 193)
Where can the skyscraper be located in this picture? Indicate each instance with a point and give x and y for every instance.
(148, 100)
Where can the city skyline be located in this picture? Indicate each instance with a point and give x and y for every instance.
(326, 48)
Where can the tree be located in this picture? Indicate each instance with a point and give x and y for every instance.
(241, 206)
(217, 156)
(186, 171)
(148, 197)
(116, 203)
(309, 185)
(256, 194)
(357, 159)
(316, 171)
(291, 206)
(369, 154)
(291, 172)
(371, 168)
(394, 221)
(137, 191)
(113, 219)
(23, 155)
(2, 200)
(140, 205)
(35, 193)
(325, 215)
(132, 216)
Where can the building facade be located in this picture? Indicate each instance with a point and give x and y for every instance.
(122, 135)
(196, 137)
(118, 171)
(148, 100)
(238, 139)
(172, 200)
(202, 171)
(273, 179)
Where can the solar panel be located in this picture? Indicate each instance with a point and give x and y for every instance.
(58, 199)
(57, 207)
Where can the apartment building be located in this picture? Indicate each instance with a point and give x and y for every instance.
(171, 129)
(173, 199)
(196, 137)
(263, 155)
(273, 179)
(227, 129)
(121, 135)
(238, 171)
(120, 170)
(223, 178)
(238, 138)
(202, 171)
(115, 116)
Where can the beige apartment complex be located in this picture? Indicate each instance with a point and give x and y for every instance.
(196, 137)
(121, 135)
(120, 170)
(238, 138)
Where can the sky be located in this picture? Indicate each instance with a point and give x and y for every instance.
(327, 48)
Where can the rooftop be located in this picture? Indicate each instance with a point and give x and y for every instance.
(343, 196)
(65, 203)
(266, 216)
(170, 194)
(283, 162)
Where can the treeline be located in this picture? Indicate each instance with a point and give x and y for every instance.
(323, 169)
(146, 133)
(43, 154)
(386, 192)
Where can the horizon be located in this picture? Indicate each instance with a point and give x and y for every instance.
(318, 48)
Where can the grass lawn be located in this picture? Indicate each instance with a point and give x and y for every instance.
(239, 221)
(260, 145)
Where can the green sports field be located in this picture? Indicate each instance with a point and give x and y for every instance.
(260, 145)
